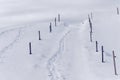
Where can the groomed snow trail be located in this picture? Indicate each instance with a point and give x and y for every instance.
(51, 67)
(70, 62)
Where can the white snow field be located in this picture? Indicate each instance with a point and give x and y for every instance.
(66, 53)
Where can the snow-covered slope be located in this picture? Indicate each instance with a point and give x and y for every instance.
(64, 54)
(14, 12)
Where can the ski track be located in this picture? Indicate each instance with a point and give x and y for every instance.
(16, 38)
(51, 66)
(14, 41)
(53, 73)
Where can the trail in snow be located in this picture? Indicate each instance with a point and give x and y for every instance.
(75, 57)
(52, 65)
(12, 43)
(10, 32)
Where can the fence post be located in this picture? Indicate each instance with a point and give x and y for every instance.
(102, 54)
(117, 10)
(50, 27)
(114, 62)
(55, 22)
(30, 48)
(91, 36)
(96, 46)
(39, 35)
(90, 23)
(58, 17)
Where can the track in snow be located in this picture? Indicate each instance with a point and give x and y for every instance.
(14, 41)
(53, 72)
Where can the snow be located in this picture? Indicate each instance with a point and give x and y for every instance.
(64, 54)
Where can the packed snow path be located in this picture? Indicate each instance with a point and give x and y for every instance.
(70, 62)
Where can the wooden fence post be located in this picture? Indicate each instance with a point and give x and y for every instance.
(90, 23)
(96, 46)
(50, 27)
(58, 17)
(117, 11)
(55, 22)
(114, 62)
(102, 54)
(39, 35)
(30, 48)
(91, 36)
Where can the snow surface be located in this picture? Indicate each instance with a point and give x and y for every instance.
(66, 53)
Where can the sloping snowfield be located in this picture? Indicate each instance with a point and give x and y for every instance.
(66, 53)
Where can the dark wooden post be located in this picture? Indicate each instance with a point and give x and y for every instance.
(90, 23)
(96, 46)
(102, 54)
(91, 36)
(55, 22)
(114, 62)
(30, 48)
(39, 35)
(58, 17)
(117, 10)
(50, 27)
